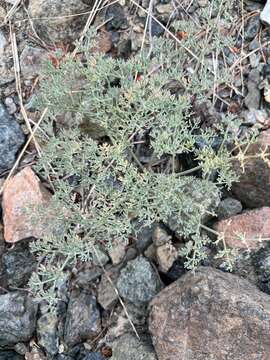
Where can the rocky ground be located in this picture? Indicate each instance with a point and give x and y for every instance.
(141, 303)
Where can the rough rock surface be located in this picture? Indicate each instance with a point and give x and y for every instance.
(18, 264)
(94, 356)
(229, 207)
(252, 189)
(6, 66)
(11, 139)
(253, 98)
(143, 236)
(131, 348)
(117, 253)
(31, 61)
(107, 296)
(47, 333)
(160, 236)
(139, 281)
(261, 264)
(246, 230)
(62, 27)
(166, 255)
(10, 355)
(210, 315)
(17, 318)
(116, 17)
(83, 319)
(23, 191)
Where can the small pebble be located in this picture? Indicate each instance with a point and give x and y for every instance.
(11, 106)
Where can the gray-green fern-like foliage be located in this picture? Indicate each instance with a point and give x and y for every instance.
(102, 112)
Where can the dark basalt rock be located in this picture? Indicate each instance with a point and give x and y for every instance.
(17, 319)
(11, 139)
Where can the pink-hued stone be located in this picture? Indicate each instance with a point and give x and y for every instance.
(21, 192)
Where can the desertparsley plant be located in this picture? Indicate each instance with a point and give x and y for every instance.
(124, 146)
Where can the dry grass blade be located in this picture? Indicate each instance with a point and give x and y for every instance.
(89, 21)
(167, 30)
(148, 24)
(242, 58)
(12, 11)
(190, 52)
(18, 82)
(117, 293)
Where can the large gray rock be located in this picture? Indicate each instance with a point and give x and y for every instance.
(130, 347)
(83, 319)
(139, 282)
(11, 139)
(59, 24)
(213, 315)
(17, 319)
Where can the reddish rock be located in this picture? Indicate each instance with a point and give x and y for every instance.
(213, 315)
(254, 183)
(246, 230)
(22, 192)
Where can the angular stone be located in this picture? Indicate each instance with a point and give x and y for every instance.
(143, 236)
(31, 61)
(166, 255)
(107, 296)
(139, 281)
(252, 189)
(210, 315)
(17, 318)
(116, 17)
(253, 98)
(117, 253)
(47, 333)
(11, 139)
(160, 236)
(229, 207)
(18, 265)
(131, 348)
(253, 226)
(35, 354)
(83, 319)
(252, 28)
(23, 191)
